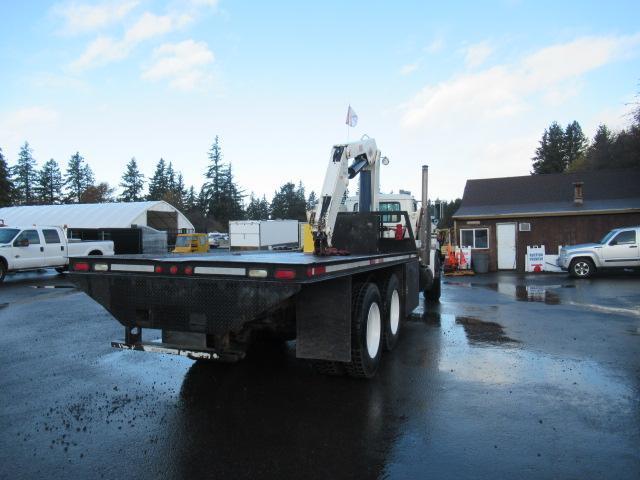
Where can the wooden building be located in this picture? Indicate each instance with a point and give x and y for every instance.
(501, 216)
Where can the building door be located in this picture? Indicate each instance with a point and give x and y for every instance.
(506, 233)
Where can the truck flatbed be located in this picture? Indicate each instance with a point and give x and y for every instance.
(301, 267)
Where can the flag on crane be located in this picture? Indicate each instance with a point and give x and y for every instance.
(352, 117)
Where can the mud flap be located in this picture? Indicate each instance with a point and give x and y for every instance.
(323, 320)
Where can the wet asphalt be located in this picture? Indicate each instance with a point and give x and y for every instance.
(511, 376)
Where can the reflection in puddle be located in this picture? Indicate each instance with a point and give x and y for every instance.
(535, 293)
(479, 331)
(523, 293)
(501, 364)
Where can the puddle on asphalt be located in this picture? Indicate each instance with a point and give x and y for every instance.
(482, 332)
(522, 293)
(510, 362)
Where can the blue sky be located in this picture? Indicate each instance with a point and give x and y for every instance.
(465, 87)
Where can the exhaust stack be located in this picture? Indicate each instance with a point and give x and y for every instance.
(425, 221)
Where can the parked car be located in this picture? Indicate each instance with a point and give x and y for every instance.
(217, 239)
(32, 248)
(618, 249)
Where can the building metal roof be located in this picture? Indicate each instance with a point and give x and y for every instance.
(604, 191)
(89, 215)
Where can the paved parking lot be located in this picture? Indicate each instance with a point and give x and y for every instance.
(509, 377)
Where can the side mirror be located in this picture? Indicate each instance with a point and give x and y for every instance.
(24, 242)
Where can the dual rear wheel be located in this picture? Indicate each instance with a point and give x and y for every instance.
(375, 326)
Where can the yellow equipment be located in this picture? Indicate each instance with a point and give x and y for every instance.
(191, 243)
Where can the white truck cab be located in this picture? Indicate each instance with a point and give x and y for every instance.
(35, 247)
(620, 248)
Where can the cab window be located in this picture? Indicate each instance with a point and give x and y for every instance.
(50, 236)
(390, 207)
(628, 237)
(31, 235)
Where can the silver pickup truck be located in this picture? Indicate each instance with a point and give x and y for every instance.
(618, 249)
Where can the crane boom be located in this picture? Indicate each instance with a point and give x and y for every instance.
(366, 161)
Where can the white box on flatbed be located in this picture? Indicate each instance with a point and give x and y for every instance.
(263, 233)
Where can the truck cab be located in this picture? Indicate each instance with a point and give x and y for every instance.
(618, 249)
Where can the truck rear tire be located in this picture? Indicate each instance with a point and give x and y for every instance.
(582, 268)
(393, 312)
(432, 294)
(3, 270)
(366, 332)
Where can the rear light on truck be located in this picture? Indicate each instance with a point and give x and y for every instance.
(158, 269)
(173, 269)
(313, 271)
(100, 267)
(255, 273)
(188, 270)
(81, 267)
(283, 274)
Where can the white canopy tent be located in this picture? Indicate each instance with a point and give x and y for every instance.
(95, 215)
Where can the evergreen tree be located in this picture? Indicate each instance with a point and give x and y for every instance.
(6, 185)
(170, 175)
(550, 155)
(600, 152)
(214, 172)
(78, 178)
(132, 183)
(191, 201)
(224, 198)
(50, 183)
(158, 185)
(25, 176)
(575, 144)
(311, 201)
(258, 208)
(289, 203)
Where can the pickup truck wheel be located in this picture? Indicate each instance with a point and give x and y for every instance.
(3, 271)
(366, 332)
(393, 313)
(582, 268)
(61, 270)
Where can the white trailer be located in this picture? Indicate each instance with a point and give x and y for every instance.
(263, 234)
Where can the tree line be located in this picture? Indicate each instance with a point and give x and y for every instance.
(568, 149)
(218, 200)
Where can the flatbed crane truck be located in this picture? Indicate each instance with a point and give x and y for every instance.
(343, 304)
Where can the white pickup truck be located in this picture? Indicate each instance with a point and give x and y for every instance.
(32, 248)
(620, 248)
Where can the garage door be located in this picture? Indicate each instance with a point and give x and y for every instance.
(506, 233)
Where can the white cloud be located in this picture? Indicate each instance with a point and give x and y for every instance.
(29, 115)
(101, 51)
(183, 64)
(19, 125)
(409, 68)
(506, 90)
(150, 25)
(436, 45)
(476, 54)
(81, 18)
(105, 50)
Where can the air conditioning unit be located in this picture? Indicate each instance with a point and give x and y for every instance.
(524, 227)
